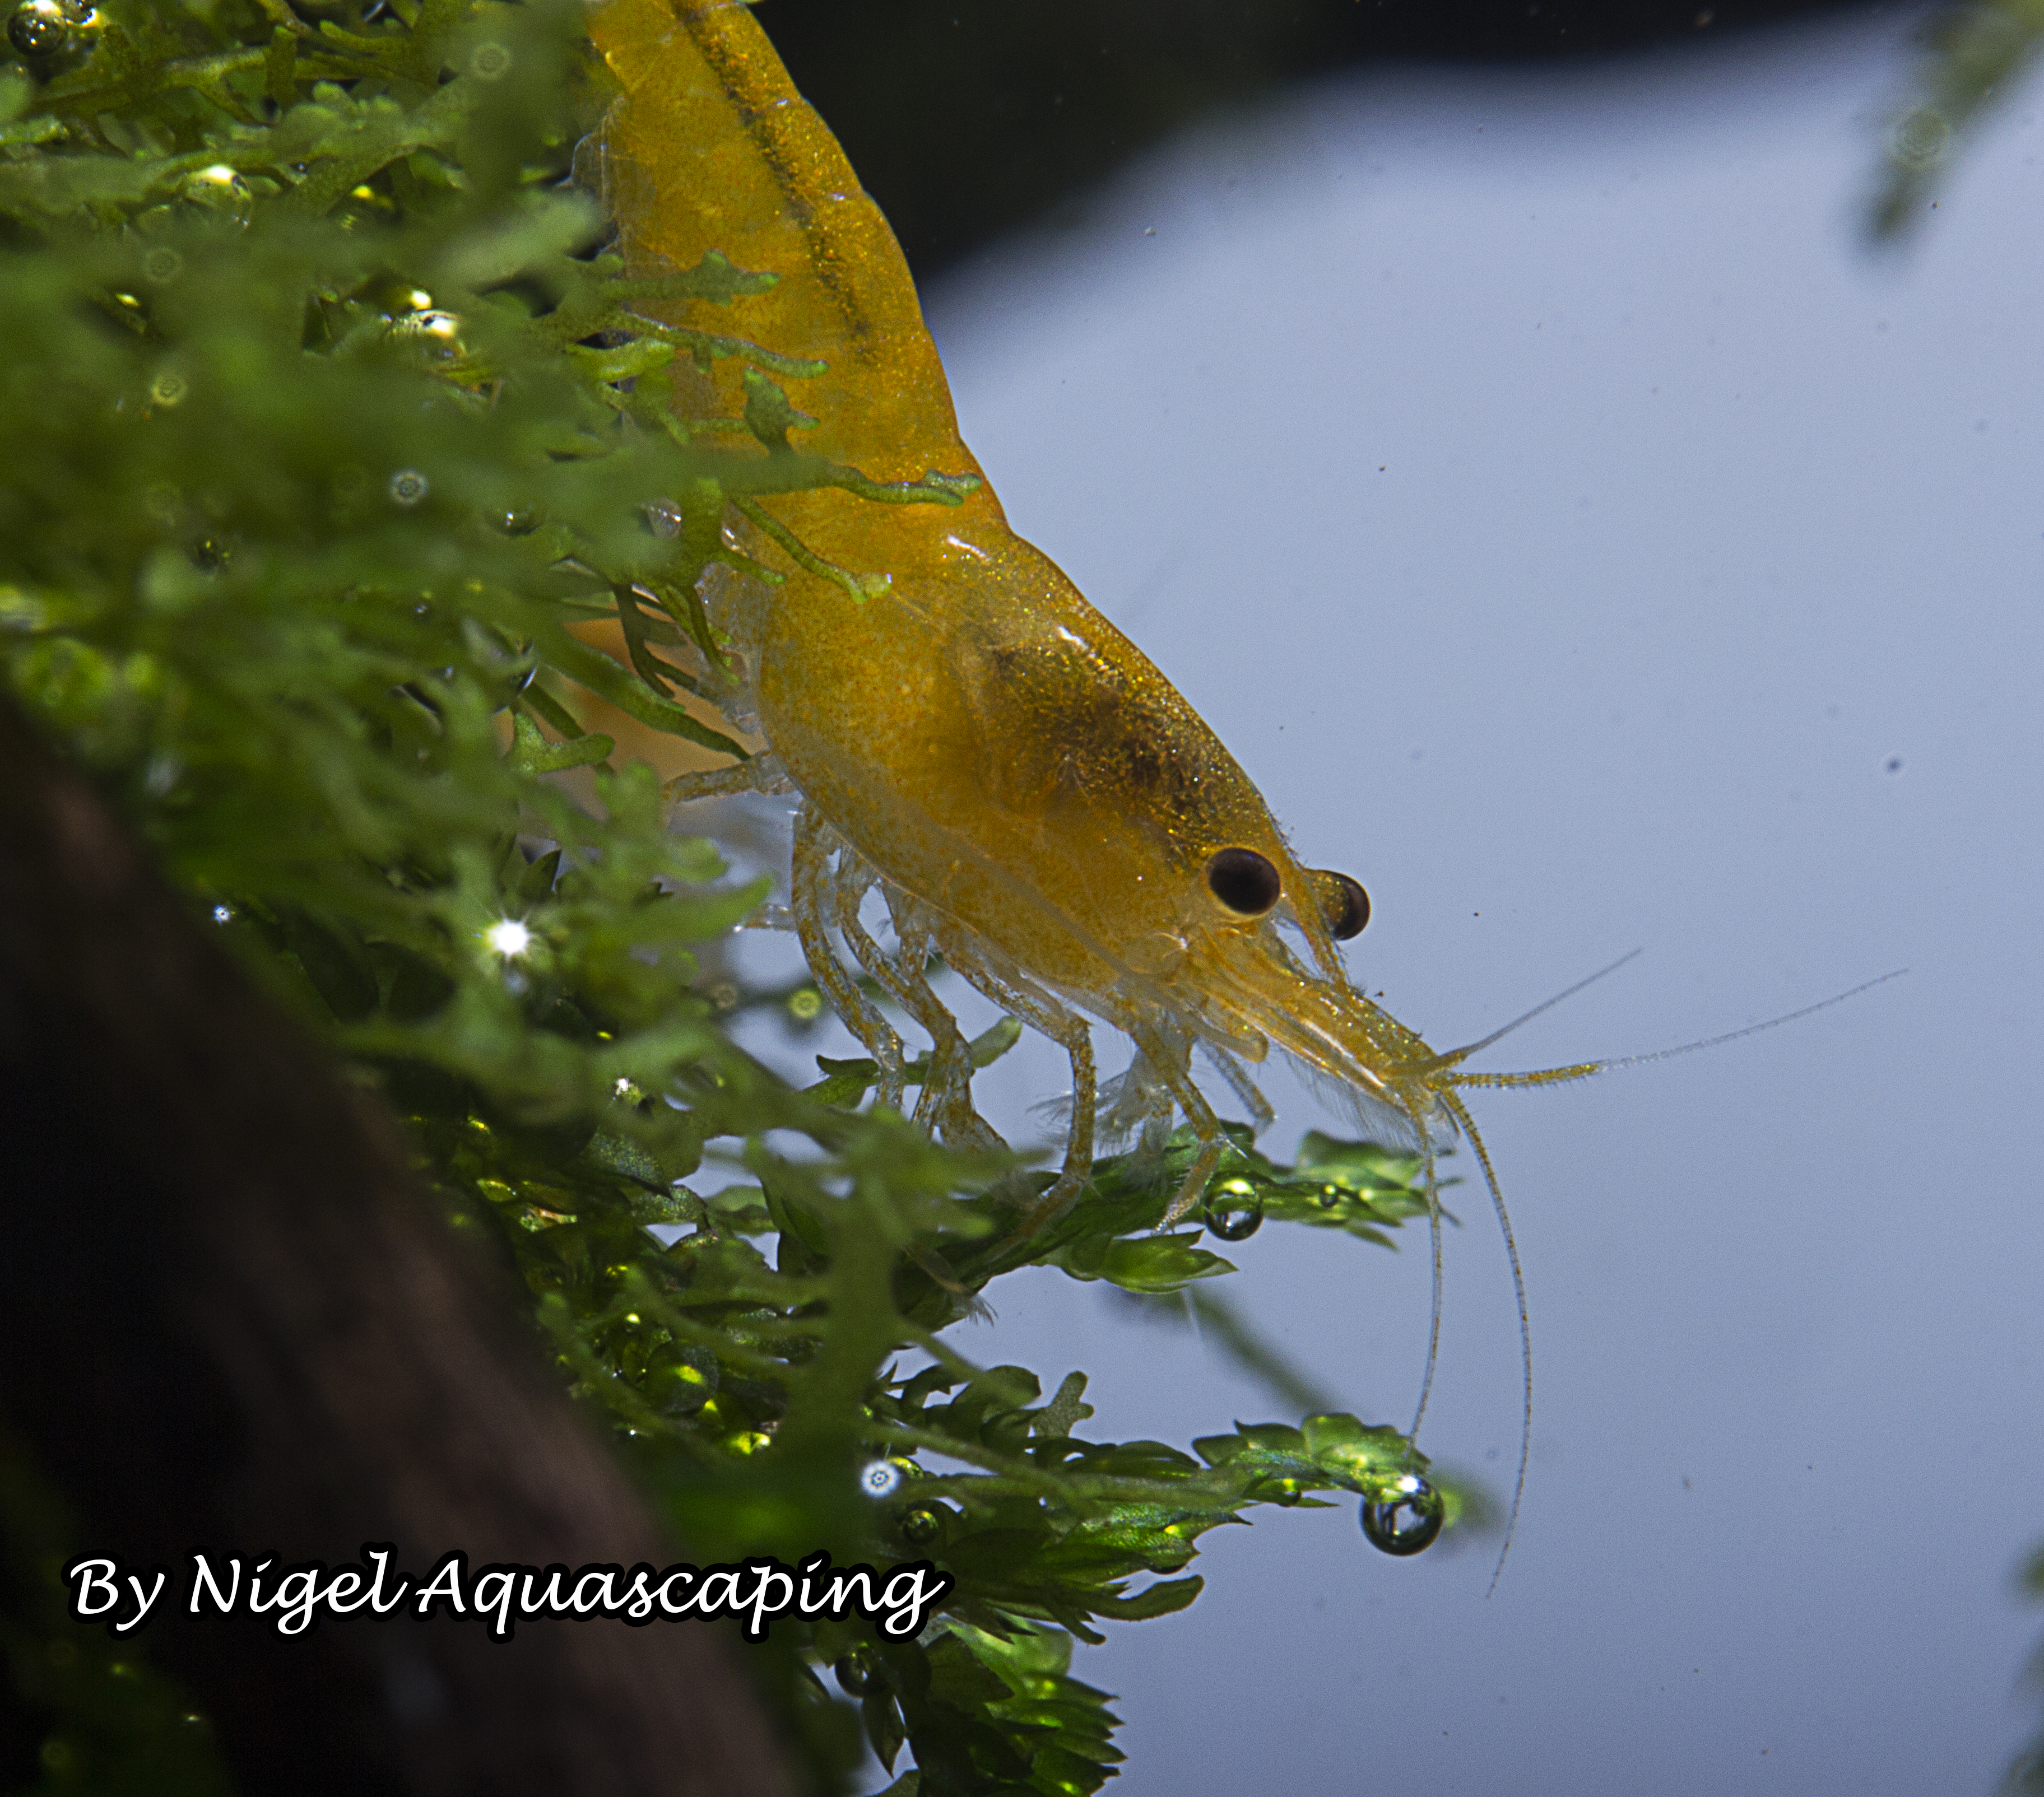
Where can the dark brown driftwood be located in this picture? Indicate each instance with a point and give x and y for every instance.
(234, 1318)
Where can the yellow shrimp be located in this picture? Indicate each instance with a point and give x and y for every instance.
(1027, 791)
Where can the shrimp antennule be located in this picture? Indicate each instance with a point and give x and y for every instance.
(1582, 1069)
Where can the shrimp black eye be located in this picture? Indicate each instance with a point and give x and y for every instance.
(1343, 904)
(1247, 883)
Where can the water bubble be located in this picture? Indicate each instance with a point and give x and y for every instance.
(409, 486)
(219, 182)
(857, 1673)
(805, 1004)
(162, 264)
(1235, 1211)
(665, 517)
(169, 389)
(1408, 1521)
(880, 1478)
(1920, 138)
(37, 27)
(223, 914)
(489, 61)
(443, 326)
(921, 1526)
(684, 1381)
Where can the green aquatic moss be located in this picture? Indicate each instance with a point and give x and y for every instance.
(329, 417)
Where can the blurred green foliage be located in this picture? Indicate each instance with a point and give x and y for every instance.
(329, 419)
(1976, 56)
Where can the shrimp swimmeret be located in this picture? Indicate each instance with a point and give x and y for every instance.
(1027, 792)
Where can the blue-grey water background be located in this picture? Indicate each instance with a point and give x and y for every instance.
(1586, 540)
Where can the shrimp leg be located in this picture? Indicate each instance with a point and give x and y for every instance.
(814, 843)
(1262, 1115)
(957, 1115)
(761, 774)
(937, 1105)
(1071, 1031)
(1173, 1061)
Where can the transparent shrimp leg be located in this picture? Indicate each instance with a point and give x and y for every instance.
(955, 1113)
(815, 842)
(1173, 1061)
(761, 774)
(936, 1105)
(1261, 1113)
(1049, 1017)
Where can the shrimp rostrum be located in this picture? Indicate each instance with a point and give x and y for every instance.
(1027, 792)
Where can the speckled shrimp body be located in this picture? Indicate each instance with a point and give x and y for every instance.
(968, 735)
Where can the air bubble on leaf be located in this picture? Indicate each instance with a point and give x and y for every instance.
(489, 61)
(880, 1478)
(1921, 138)
(223, 914)
(919, 1526)
(665, 518)
(1407, 1522)
(445, 327)
(409, 486)
(162, 264)
(856, 1673)
(169, 388)
(37, 27)
(1235, 1211)
(217, 182)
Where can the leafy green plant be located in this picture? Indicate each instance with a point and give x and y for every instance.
(330, 422)
(1976, 55)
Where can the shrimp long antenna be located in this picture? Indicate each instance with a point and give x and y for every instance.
(1460, 1112)
(1433, 1330)
(1457, 1055)
(1582, 1069)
